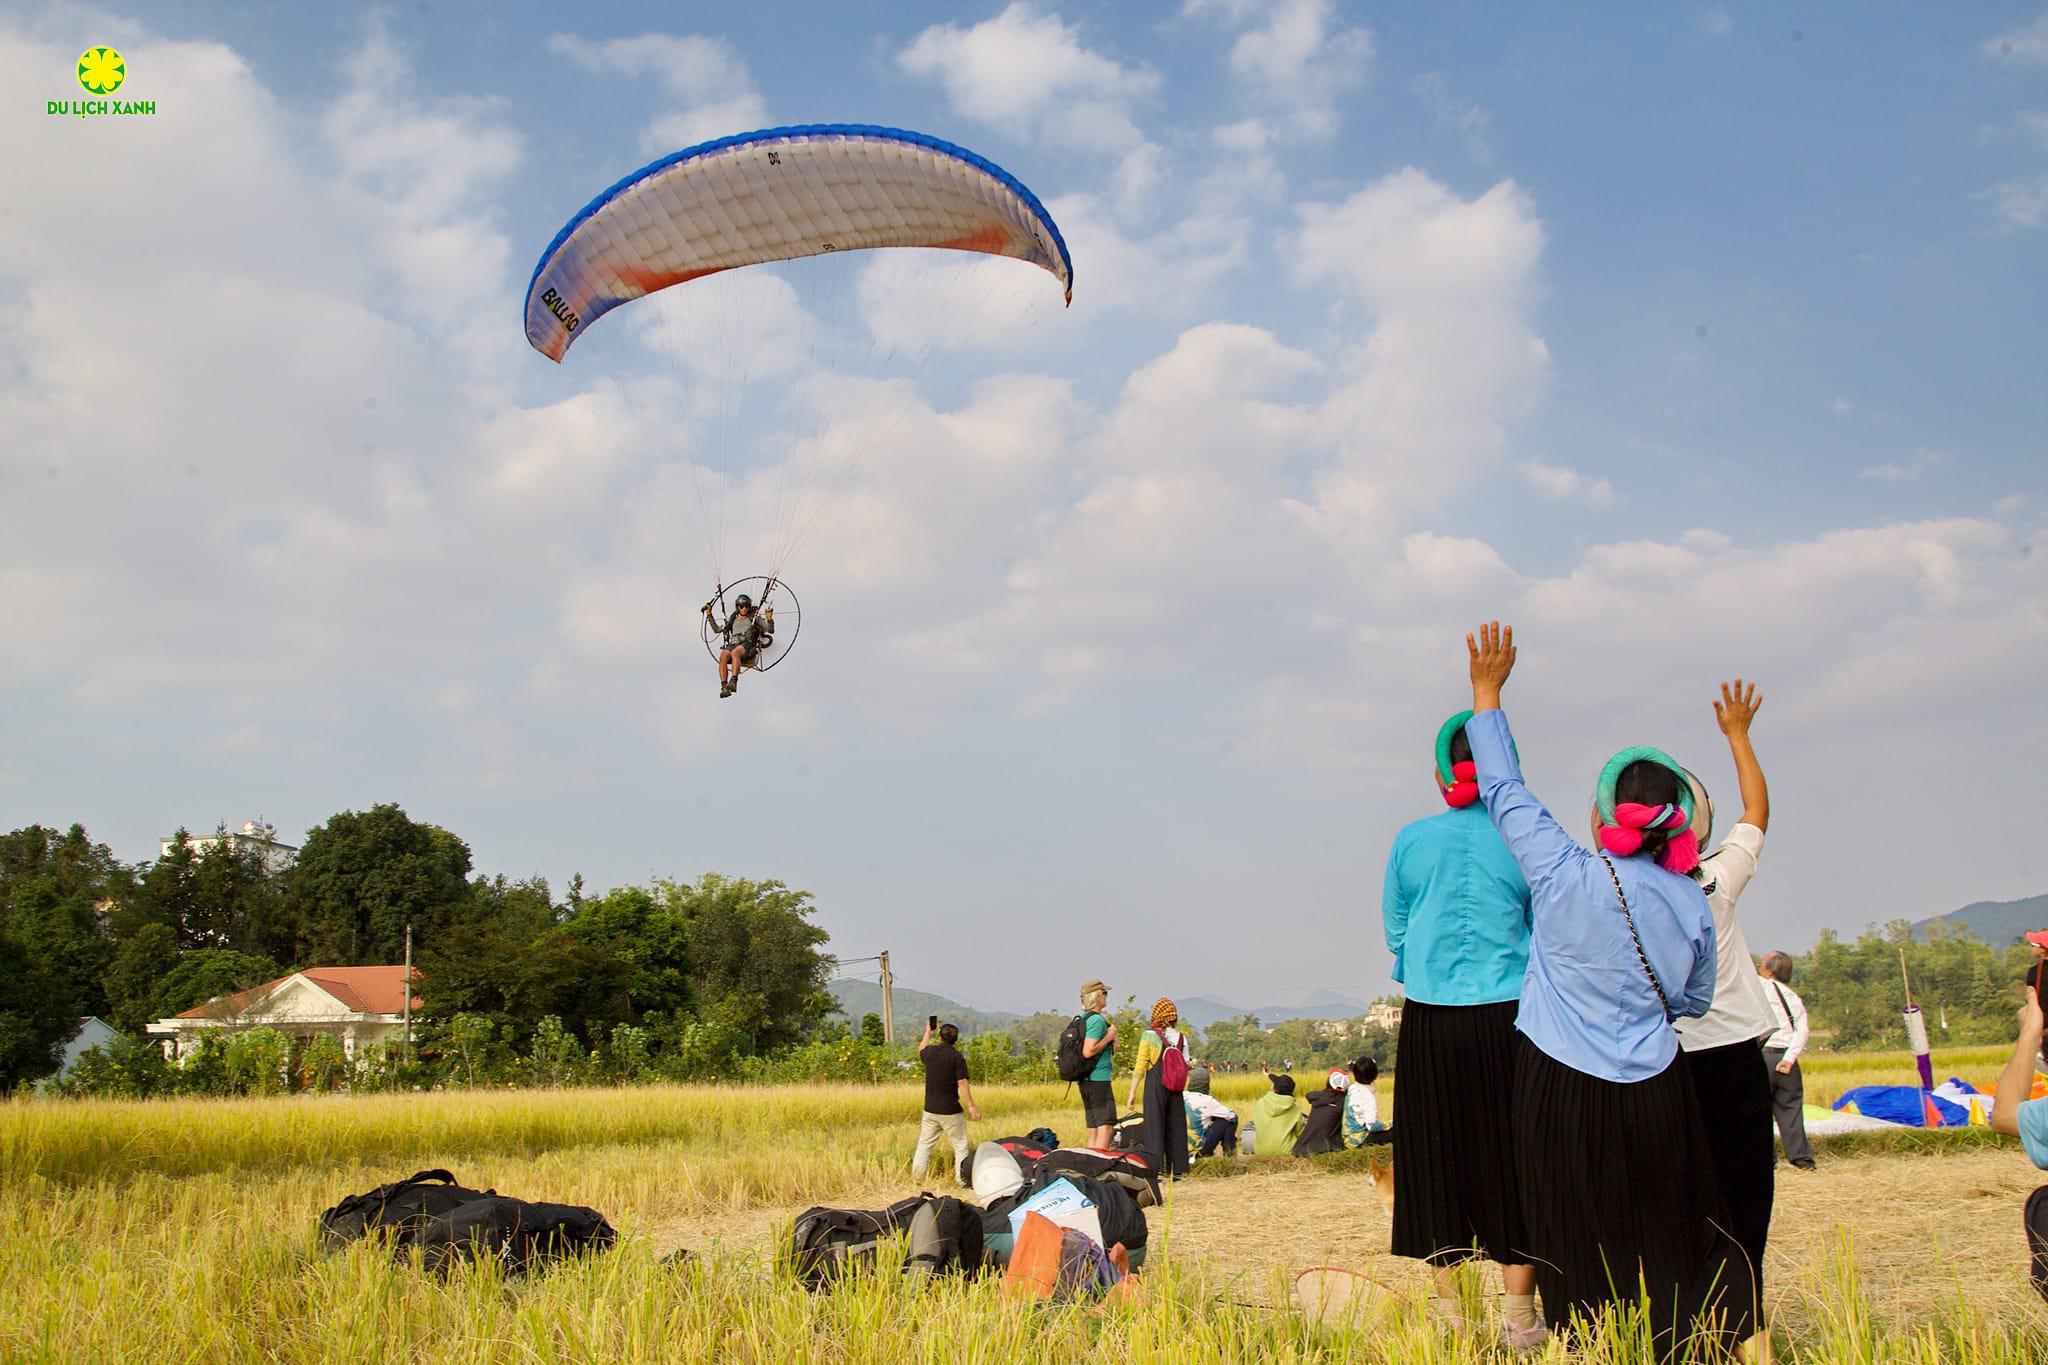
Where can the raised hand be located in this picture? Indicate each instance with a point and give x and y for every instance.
(1492, 658)
(1737, 708)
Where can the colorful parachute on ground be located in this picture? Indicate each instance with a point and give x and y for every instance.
(1949, 1107)
(777, 195)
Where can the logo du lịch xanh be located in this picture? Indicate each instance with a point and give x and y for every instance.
(101, 72)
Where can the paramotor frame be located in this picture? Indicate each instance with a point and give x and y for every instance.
(763, 592)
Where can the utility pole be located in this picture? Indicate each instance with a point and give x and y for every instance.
(888, 1003)
(408, 994)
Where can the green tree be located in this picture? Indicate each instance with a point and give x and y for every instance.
(471, 1044)
(126, 1068)
(204, 973)
(224, 897)
(259, 1061)
(555, 1057)
(362, 877)
(1040, 1031)
(472, 964)
(628, 1056)
(649, 938)
(755, 960)
(324, 1064)
(36, 1017)
(141, 962)
(871, 1028)
(579, 982)
(56, 893)
(1854, 993)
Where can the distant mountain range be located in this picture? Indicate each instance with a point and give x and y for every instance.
(1998, 923)
(1202, 1011)
(857, 998)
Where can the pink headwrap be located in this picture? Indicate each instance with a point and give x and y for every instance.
(1465, 790)
(1624, 838)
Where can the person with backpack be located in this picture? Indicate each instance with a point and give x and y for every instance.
(946, 1094)
(1087, 1057)
(1163, 1069)
(1619, 1198)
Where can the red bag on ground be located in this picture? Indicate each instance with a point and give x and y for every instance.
(1034, 1269)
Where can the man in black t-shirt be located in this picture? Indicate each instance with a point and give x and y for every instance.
(946, 1093)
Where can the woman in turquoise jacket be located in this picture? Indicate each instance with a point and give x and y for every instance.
(1456, 911)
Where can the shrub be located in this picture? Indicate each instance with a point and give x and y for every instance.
(126, 1068)
(555, 1057)
(324, 1064)
(259, 1062)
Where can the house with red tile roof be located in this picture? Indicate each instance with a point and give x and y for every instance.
(358, 1006)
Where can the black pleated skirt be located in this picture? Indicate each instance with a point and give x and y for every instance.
(1619, 1201)
(1165, 1133)
(1733, 1086)
(1454, 1164)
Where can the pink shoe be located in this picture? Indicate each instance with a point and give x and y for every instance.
(1528, 1338)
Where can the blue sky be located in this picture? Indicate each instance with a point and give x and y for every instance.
(1697, 340)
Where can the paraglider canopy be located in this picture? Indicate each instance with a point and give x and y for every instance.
(777, 195)
(775, 417)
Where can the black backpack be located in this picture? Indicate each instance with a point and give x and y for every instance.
(1129, 1170)
(1122, 1220)
(945, 1236)
(520, 1232)
(450, 1223)
(399, 1208)
(1068, 1059)
(825, 1243)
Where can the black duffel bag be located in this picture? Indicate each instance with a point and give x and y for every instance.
(522, 1233)
(826, 1242)
(397, 1209)
(449, 1222)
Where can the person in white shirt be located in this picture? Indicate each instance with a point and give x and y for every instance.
(1722, 1047)
(1212, 1122)
(1781, 1050)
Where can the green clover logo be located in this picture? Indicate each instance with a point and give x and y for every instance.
(101, 70)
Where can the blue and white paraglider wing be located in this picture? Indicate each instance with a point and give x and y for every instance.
(778, 195)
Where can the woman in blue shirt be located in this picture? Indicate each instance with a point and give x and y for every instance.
(1618, 1193)
(1456, 910)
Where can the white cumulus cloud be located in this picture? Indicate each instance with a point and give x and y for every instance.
(1557, 484)
(712, 92)
(1298, 63)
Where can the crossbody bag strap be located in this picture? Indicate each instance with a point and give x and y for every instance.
(1786, 1006)
(1637, 939)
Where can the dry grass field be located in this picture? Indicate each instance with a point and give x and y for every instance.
(184, 1231)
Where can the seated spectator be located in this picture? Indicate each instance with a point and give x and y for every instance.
(1324, 1131)
(1277, 1119)
(2016, 1115)
(1362, 1126)
(1212, 1124)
